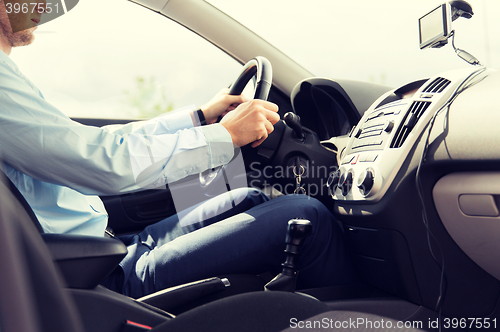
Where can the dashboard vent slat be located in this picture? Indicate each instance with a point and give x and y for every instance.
(415, 112)
(437, 86)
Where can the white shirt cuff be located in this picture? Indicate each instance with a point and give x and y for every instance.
(220, 143)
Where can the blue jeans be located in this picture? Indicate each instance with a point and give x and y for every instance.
(247, 238)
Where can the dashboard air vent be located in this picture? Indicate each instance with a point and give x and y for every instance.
(414, 113)
(438, 85)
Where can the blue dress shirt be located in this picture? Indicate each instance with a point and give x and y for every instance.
(61, 166)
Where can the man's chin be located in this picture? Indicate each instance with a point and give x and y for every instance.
(23, 38)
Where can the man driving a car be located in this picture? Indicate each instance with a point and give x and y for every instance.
(61, 168)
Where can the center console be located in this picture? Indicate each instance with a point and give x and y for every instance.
(386, 134)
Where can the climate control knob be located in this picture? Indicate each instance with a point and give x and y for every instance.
(345, 182)
(366, 181)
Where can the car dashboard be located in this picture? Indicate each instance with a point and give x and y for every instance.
(416, 189)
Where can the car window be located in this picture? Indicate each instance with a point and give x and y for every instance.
(115, 59)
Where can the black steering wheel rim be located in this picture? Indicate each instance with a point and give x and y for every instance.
(260, 68)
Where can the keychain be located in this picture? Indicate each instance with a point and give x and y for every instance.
(298, 179)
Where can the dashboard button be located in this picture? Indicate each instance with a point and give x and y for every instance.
(371, 157)
(371, 134)
(375, 115)
(378, 126)
(347, 160)
(389, 126)
(368, 157)
(372, 143)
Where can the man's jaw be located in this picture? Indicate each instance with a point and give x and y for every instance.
(20, 38)
(23, 38)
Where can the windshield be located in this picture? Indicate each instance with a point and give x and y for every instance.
(367, 40)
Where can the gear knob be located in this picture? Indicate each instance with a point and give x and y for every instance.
(297, 231)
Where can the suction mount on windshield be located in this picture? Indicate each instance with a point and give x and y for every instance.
(435, 27)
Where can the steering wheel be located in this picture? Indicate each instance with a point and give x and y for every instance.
(260, 68)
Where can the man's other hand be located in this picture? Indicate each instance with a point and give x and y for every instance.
(251, 122)
(220, 105)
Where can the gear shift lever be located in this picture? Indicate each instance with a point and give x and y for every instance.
(296, 233)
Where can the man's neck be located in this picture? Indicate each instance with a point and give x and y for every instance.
(5, 45)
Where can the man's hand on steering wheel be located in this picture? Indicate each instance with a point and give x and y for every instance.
(220, 105)
(251, 122)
